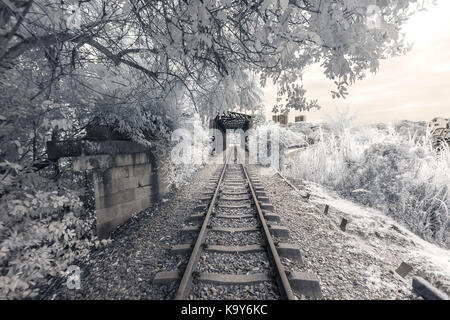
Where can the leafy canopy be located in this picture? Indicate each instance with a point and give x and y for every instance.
(209, 45)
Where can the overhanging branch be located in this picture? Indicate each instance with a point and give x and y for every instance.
(45, 41)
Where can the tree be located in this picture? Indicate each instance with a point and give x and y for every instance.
(178, 41)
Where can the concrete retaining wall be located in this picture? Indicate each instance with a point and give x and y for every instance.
(124, 184)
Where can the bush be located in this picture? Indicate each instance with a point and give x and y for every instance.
(391, 168)
(44, 229)
(194, 140)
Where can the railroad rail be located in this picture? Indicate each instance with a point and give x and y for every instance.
(238, 243)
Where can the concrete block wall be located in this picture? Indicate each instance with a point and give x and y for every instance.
(124, 184)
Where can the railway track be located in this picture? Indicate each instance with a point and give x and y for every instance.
(233, 246)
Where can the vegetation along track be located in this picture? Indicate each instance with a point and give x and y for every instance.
(237, 248)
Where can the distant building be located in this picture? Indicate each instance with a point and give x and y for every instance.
(438, 123)
(287, 120)
(281, 119)
(300, 119)
(440, 129)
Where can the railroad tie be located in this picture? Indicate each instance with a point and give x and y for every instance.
(306, 284)
(285, 250)
(426, 290)
(238, 206)
(234, 279)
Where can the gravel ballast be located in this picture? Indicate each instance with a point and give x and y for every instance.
(235, 223)
(233, 263)
(348, 265)
(262, 291)
(125, 268)
(345, 267)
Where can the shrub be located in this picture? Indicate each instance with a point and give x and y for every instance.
(194, 140)
(43, 228)
(391, 168)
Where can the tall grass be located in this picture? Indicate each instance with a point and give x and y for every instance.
(392, 168)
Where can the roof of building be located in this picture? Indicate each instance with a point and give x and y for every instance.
(233, 120)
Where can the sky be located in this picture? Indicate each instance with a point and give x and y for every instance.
(414, 87)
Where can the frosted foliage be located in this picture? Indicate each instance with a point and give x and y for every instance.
(205, 44)
(44, 228)
(288, 138)
(195, 140)
(389, 168)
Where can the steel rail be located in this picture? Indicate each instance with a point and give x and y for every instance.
(186, 280)
(283, 282)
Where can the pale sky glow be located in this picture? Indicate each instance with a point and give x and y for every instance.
(412, 87)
